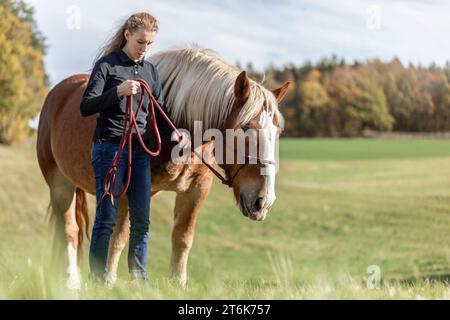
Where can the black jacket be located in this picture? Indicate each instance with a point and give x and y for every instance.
(101, 96)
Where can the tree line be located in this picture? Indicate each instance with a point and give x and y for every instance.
(332, 98)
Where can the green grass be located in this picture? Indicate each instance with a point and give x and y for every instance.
(362, 149)
(342, 206)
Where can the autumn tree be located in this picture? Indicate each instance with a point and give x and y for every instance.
(360, 100)
(23, 81)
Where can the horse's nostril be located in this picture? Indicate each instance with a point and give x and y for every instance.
(258, 204)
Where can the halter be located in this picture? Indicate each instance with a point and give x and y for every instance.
(229, 182)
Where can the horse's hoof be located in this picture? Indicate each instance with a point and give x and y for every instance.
(110, 281)
(180, 282)
(73, 284)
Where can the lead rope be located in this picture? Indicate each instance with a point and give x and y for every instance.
(129, 123)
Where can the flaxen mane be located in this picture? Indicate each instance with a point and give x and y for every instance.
(198, 78)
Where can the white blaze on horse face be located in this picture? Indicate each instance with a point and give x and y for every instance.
(74, 279)
(267, 143)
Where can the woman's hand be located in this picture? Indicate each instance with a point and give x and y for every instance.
(128, 88)
(182, 138)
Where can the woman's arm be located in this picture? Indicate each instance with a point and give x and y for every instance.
(94, 99)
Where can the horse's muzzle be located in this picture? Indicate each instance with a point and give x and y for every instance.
(252, 208)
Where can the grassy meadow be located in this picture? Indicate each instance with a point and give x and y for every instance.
(342, 206)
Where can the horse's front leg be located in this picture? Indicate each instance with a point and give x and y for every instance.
(187, 206)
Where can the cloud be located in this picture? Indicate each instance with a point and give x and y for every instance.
(261, 31)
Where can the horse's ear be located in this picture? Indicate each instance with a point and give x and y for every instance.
(281, 92)
(242, 87)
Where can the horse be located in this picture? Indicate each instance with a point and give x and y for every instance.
(198, 86)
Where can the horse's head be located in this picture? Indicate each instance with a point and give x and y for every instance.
(201, 87)
(253, 166)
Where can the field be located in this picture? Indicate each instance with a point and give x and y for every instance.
(342, 207)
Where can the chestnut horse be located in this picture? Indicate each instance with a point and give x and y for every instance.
(197, 86)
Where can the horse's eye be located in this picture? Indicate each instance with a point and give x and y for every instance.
(245, 128)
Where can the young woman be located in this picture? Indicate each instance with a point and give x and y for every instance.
(111, 81)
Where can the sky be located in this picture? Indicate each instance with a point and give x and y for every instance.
(263, 32)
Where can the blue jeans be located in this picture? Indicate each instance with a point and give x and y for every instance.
(138, 195)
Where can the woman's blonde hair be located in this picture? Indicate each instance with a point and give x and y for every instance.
(133, 23)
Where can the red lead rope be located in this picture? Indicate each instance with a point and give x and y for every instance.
(129, 123)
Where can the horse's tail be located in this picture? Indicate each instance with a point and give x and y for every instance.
(82, 218)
